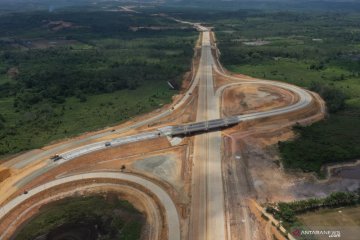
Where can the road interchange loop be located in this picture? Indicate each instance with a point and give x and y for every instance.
(163, 197)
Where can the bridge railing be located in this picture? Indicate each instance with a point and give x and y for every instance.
(202, 126)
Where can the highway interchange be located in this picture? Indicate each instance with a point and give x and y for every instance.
(207, 215)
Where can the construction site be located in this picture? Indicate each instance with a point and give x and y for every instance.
(208, 184)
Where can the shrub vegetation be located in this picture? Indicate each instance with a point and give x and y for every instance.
(66, 72)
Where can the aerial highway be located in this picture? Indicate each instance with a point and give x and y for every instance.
(163, 197)
(207, 209)
(207, 219)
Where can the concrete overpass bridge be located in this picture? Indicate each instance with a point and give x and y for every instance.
(197, 127)
(170, 131)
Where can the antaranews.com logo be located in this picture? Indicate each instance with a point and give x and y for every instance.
(313, 234)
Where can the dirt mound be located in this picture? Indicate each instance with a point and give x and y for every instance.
(253, 98)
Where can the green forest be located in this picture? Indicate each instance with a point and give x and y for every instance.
(67, 72)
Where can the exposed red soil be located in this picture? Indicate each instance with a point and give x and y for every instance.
(4, 173)
(243, 99)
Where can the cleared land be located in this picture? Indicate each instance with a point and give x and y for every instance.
(253, 98)
(346, 220)
(332, 217)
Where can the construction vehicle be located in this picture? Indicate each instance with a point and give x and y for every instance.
(56, 157)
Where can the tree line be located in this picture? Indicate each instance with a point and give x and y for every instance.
(287, 211)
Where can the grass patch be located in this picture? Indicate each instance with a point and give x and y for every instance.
(288, 212)
(349, 216)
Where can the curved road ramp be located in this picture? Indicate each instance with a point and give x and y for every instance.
(171, 213)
